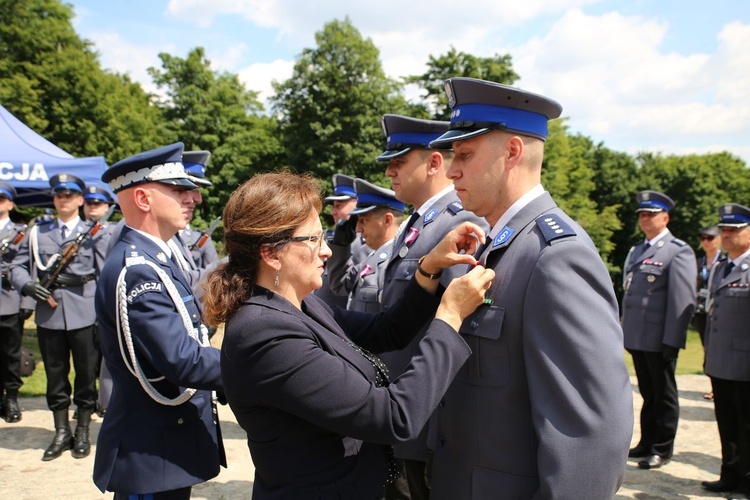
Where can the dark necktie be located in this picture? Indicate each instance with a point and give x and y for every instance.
(411, 221)
(728, 269)
(64, 232)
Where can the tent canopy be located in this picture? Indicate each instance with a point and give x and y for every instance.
(28, 161)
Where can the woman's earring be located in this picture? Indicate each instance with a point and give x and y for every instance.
(276, 279)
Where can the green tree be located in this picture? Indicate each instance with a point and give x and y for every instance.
(52, 80)
(330, 110)
(567, 175)
(213, 111)
(498, 68)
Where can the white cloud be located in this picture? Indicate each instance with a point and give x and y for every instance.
(258, 77)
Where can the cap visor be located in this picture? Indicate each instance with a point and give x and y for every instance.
(652, 210)
(732, 224)
(363, 210)
(446, 140)
(390, 154)
(339, 197)
(178, 182)
(199, 181)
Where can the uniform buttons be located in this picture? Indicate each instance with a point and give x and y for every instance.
(180, 421)
(474, 324)
(195, 316)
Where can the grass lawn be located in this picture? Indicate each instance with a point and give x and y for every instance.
(690, 360)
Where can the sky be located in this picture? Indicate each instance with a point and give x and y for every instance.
(662, 76)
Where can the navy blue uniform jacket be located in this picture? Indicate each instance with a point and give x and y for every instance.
(315, 420)
(144, 446)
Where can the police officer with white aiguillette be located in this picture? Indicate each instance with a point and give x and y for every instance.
(65, 313)
(658, 303)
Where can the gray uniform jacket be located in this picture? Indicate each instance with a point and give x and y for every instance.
(75, 303)
(728, 330)
(543, 407)
(660, 295)
(364, 281)
(11, 296)
(444, 215)
(335, 293)
(203, 256)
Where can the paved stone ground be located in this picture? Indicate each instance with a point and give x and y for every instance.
(24, 476)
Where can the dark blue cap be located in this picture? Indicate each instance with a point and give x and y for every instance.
(96, 193)
(7, 191)
(163, 165)
(734, 215)
(653, 201)
(343, 188)
(66, 183)
(402, 134)
(370, 197)
(709, 231)
(195, 165)
(479, 106)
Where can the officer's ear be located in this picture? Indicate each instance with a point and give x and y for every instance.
(434, 163)
(142, 198)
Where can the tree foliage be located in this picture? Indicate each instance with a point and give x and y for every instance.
(498, 68)
(330, 110)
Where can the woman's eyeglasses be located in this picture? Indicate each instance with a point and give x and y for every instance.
(315, 239)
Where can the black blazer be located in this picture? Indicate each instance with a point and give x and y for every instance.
(315, 420)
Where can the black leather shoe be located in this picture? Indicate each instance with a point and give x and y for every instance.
(12, 412)
(719, 485)
(62, 441)
(81, 443)
(652, 462)
(638, 452)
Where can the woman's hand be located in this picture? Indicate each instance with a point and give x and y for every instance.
(458, 247)
(464, 295)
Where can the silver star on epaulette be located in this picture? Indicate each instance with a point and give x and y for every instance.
(161, 257)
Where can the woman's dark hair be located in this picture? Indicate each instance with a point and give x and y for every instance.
(265, 211)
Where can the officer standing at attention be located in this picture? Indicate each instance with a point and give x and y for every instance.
(343, 200)
(728, 350)
(11, 330)
(418, 177)
(379, 215)
(543, 407)
(657, 305)
(195, 166)
(96, 203)
(161, 434)
(65, 314)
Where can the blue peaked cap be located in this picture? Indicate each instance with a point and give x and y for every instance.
(343, 188)
(66, 183)
(734, 215)
(403, 134)
(479, 106)
(370, 197)
(163, 165)
(653, 201)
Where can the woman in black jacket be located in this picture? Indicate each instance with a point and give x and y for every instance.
(319, 410)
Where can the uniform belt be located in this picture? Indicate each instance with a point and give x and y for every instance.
(65, 280)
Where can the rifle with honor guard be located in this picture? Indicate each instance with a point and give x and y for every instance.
(69, 252)
(15, 240)
(205, 235)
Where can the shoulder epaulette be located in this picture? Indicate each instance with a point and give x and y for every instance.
(553, 228)
(455, 207)
(678, 242)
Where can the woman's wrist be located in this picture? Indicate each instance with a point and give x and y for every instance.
(427, 273)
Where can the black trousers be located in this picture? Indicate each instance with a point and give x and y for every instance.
(181, 494)
(732, 408)
(10, 352)
(415, 477)
(56, 347)
(661, 408)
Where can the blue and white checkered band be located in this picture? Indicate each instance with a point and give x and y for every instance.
(345, 191)
(653, 204)
(430, 216)
(369, 199)
(402, 140)
(519, 120)
(172, 170)
(503, 236)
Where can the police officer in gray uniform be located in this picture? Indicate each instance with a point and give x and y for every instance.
(658, 303)
(379, 215)
(543, 407)
(343, 201)
(65, 325)
(195, 166)
(418, 177)
(728, 350)
(11, 330)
